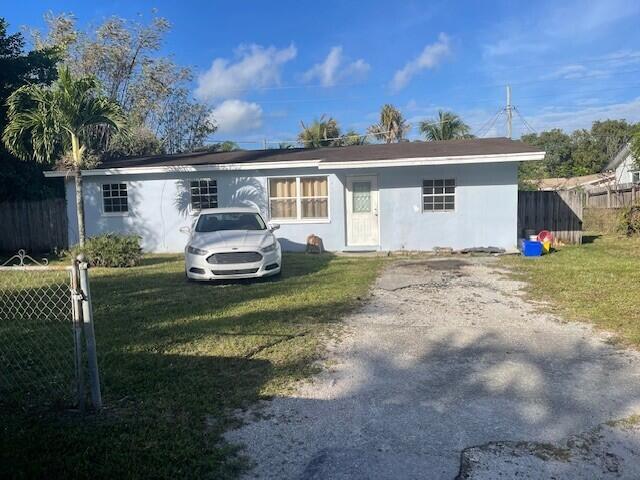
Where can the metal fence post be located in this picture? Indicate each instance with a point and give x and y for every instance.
(87, 315)
(76, 310)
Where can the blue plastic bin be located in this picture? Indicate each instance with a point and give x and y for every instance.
(531, 248)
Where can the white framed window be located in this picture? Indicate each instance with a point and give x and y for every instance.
(115, 199)
(204, 193)
(439, 195)
(635, 177)
(299, 199)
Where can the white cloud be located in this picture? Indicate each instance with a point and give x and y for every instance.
(237, 116)
(431, 57)
(573, 21)
(336, 68)
(513, 45)
(580, 18)
(572, 119)
(255, 67)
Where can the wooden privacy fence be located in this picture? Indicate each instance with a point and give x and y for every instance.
(36, 226)
(618, 196)
(560, 212)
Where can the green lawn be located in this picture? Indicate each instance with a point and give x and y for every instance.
(597, 282)
(176, 358)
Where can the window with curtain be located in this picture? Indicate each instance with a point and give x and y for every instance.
(299, 198)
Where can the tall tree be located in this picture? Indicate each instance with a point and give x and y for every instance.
(20, 179)
(392, 126)
(558, 161)
(447, 126)
(322, 132)
(153, 90)
(55, 123)
(610, 136)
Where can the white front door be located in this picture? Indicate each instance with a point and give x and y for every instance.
(362, 211)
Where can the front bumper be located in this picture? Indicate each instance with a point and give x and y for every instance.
(197, 267)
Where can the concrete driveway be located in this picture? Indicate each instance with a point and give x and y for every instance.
(447, 355)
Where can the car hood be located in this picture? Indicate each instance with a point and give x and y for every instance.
(241, 239)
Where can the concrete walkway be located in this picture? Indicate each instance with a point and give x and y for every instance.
(446, 355)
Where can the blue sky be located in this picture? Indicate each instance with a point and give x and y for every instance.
(266, 66)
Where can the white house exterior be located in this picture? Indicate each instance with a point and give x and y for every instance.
(405, 196)
(624, 167)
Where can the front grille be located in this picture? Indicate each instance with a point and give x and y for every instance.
(242, 271)
(230, 258)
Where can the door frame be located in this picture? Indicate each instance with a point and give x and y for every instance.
(348, 203)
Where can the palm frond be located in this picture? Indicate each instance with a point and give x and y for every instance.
(41, 121)
(447, 126)
(392, 126)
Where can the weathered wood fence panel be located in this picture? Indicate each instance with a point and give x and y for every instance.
(559, 212)
(617, 196)
(36, 226)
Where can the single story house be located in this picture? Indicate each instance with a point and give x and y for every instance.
(625, 167)
(389, 197)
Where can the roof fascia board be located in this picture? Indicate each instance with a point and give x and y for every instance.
(420, 161)
(188, 168)
(321, 165)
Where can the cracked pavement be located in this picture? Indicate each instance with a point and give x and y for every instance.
(445, 355)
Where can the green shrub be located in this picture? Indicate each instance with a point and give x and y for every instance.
(629, 223)
(111, 250)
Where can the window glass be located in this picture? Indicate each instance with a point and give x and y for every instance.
(438, 195)
(361, 197)
(115, 198)
(204, 194)
(215, 222)
(298, 198)
(283, 198)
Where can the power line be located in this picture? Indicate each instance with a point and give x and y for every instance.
(526, 124)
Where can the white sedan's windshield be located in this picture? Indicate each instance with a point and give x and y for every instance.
(214, 222)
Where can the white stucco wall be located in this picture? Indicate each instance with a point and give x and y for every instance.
(485, 213)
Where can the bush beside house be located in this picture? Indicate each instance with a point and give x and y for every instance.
(111, 250)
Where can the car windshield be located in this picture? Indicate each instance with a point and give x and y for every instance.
(215, 222)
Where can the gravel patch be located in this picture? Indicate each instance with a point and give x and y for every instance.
(446, 354)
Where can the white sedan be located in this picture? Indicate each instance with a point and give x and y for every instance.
(231, 243)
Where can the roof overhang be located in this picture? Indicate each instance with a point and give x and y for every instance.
(425, 161)
(318, 163)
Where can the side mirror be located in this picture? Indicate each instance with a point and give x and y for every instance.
(273, 226)
(186, 230)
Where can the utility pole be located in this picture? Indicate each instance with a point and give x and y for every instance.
(264, 144)
(509, 112)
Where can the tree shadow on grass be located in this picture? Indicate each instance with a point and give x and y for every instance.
(163, 418)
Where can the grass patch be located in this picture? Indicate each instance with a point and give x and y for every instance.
(176, 359)
(598, 282)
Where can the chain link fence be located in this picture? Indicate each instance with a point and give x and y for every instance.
(42, 324)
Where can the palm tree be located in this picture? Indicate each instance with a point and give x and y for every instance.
(47, 124)
(323, 132)
(392, 126)
(447, 126)
(353, 138)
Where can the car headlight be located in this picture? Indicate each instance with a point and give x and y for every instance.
(196, 251)
(269, 248)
